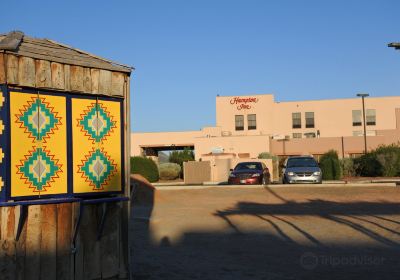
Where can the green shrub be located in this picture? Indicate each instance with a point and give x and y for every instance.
(266, 155)
(145, 167)
(347, 165)
(330, 166)
(368, 166)
(169, 171)
(389, 158)
(179, 157)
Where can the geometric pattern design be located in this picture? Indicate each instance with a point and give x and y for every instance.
(97, 168)
(39, 169)
(1, 99)
(96, 122)
(1, 127)
(1, 155)
(38, 119)
(1, 183)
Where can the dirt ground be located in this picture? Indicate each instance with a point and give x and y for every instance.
(315, 232)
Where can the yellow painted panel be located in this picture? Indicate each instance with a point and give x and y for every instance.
(38, 144)
(96, 136)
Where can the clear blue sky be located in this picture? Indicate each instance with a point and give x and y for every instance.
(187, 51)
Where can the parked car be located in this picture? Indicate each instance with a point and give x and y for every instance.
(301, 169)
(249, 173)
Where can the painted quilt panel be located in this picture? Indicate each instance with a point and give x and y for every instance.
(38, 144)
(96, 135)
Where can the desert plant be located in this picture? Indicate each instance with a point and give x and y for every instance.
(330, 166)
(145, 167)
(389, 158)
(266, 155)
(368, 166)
(179, 157)
(169, 171)
(347, 165)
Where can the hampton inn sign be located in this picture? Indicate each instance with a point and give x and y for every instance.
(243, 103)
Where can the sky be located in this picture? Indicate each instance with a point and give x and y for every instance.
(186, 52)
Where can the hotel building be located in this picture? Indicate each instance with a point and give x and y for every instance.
(249, 125)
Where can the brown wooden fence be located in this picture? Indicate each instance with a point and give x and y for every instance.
(44, 249)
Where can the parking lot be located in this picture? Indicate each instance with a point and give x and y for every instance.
(284, 232)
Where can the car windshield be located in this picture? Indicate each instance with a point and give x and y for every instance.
(302, 162)
(248, 165)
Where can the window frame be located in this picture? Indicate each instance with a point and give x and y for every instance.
(312, 123)
(239, 128)
(294, 125)
(249, 127)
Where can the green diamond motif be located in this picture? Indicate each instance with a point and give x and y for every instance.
(97, 122)
(39, 168)
(38, 119)
(98, 168)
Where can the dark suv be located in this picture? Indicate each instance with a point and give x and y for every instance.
(249, 173)
(301, 169)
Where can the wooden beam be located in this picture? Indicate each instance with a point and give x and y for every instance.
(67, 77)
(26, 72)
(12, 69)
(76, 78)
(2, 69)
(32, 245)
(87, 82)
(105, 82)
(57, 75)
(95, 75)
(43, 74)
(117, 84)
(48, 250)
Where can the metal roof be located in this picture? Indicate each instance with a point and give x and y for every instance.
(16, 42)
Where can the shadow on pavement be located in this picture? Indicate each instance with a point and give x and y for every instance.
(244, 254)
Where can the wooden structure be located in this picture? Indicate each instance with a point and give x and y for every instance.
(53, 238)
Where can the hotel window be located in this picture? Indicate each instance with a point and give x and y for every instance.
(239, 122)
(309, 134)
(371, 117)
(297, 135)
(296, 120)
(310, 120)
(356, 117)
(251, 122)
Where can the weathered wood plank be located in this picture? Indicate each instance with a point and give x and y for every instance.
(26, 72)
(83, 63)
(7, 248)
(76, 78)
(67, 77)
(43, 74)
(64, 236)
(12, 69)
(2, 69)
(79, 249)
(95, 75)
(32, 244)
(105, 82)
(57, 75)
(92, 258)
(87, 82)
(117, 83)
(110, 242)
(48, 249)
(20, 248)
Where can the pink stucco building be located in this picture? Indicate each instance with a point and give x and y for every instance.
(249, 125)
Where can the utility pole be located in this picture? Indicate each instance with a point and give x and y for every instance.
(363, 95)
